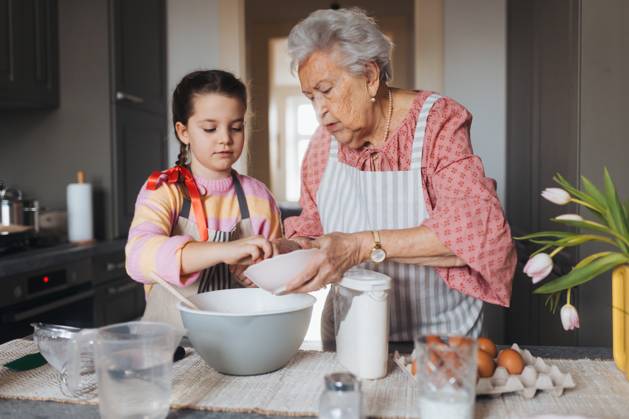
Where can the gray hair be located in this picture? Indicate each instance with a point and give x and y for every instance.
(350, 31)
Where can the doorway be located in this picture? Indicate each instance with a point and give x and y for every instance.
(284, 119)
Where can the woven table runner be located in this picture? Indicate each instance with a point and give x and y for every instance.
(601, 390)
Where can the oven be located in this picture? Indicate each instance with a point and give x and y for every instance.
(89, 290)
(58, 294)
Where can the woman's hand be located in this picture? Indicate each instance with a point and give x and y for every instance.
(339, 252)
(246, 251)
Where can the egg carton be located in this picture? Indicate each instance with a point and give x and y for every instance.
(536, 375)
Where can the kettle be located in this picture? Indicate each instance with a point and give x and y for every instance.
(11, 207)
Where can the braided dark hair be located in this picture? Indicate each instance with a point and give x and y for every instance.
(197, 83)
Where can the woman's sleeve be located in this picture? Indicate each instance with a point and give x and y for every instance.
(308, 223)
(150, 246)
(465, 212)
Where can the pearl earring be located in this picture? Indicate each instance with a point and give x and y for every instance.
(373, 99)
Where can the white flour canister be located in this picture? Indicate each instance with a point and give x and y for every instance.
(361, 322)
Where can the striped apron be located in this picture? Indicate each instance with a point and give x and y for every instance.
(350, 200)
(160, 304)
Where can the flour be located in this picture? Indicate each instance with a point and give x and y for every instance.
(362, 323)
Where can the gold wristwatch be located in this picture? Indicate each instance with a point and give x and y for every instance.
(378, 254)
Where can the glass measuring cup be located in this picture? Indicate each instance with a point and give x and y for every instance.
(446, 376)
(54, 343)
(133, 367)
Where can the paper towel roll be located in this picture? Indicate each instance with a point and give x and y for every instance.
(80, 218)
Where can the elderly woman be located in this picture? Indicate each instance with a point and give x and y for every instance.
(390, 181)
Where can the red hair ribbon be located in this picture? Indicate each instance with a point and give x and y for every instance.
(172, 176)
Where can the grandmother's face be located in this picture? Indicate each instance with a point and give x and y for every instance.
(341, 99)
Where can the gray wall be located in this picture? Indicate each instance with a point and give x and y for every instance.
(475, 72)
(603, 135)
(40, 151)
(192, 45)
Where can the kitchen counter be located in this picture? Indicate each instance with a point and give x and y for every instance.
(44, 258)
(37, 409)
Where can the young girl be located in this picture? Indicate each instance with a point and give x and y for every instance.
(193, 220)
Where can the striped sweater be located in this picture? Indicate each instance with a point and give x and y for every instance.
(152, 247)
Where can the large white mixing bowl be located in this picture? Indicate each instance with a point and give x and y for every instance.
(247, 331)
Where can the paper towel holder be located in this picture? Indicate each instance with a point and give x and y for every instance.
(83, 231)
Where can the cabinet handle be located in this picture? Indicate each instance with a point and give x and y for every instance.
(123, 288)
(129, 97)
(114, 266)
(27, 314)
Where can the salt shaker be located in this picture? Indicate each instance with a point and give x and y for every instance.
(341, 398)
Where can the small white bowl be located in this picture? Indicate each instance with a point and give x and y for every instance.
(274, 274)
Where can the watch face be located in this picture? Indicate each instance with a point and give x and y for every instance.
(378, 255)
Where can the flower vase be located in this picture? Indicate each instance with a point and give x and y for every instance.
(620, 317)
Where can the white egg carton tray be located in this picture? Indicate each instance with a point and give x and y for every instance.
(537, 375)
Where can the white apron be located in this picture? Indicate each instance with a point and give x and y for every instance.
(161, 305)
(350, 200)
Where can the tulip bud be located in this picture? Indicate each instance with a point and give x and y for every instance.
(569, 317)
(556, 196)
(569, 217)
(538, 267)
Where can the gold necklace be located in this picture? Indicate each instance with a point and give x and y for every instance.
(386, 132)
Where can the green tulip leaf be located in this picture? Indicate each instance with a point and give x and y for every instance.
(545, 234)
(577, 193)
(592, 226)
(547, 242)
(593, 192)
(589, 259)
(581, 275)
(616, 211)
(579, 239)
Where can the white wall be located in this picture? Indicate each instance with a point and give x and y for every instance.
(204, 34)
(475, 75)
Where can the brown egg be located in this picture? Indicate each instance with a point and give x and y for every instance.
(459, 341)
(511, 360)
(432, 339)
(485, 364)
(488, 346)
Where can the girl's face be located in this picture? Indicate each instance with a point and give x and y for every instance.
(215, 132)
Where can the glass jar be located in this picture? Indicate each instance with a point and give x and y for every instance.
(341, 398)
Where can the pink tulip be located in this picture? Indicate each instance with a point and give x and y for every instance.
(556, 196)
(538, 267)
(569, 317)
(569, 217)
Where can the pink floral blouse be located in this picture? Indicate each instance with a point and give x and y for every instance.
(464, 210)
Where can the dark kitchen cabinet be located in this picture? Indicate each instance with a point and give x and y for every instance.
(140, 147)
(140, 54)
(117, 298)
(566, 89)
(29, 63)
(139, 100)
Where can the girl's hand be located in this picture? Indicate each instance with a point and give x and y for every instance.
(282, 245)
(339, 252)
(237, 272)
(246, 251)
